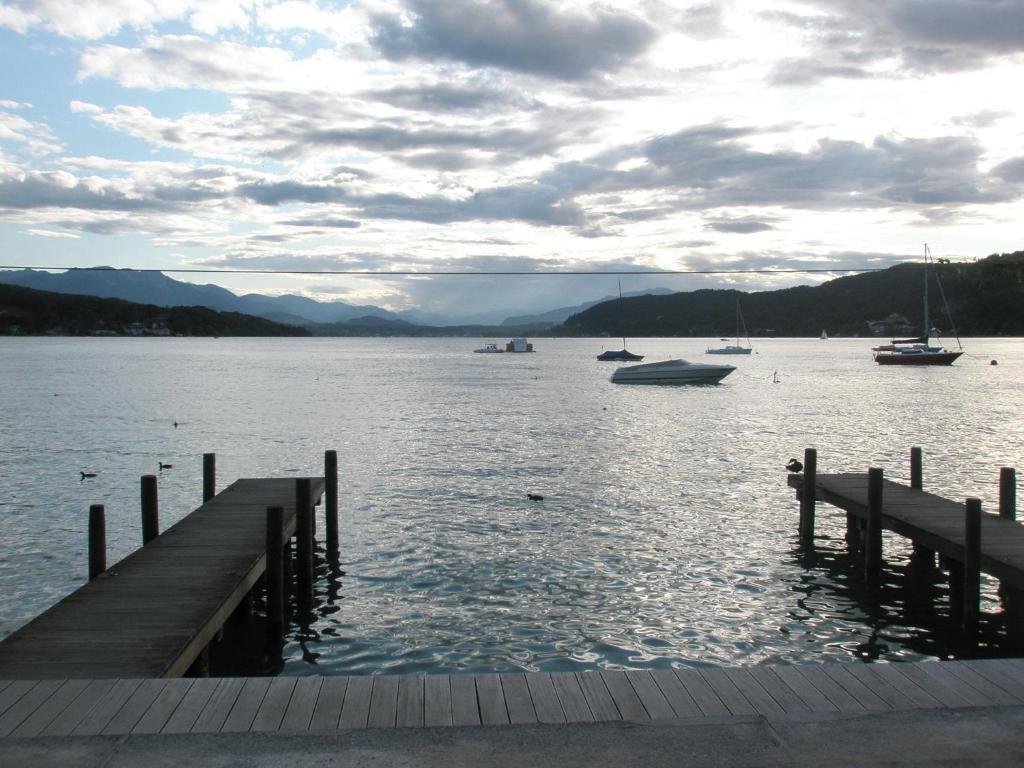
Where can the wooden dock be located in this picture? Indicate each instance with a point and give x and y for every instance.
(34, 708)
(152, 614)
(928, 520)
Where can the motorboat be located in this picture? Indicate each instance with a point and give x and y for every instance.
(918, 350)
(489, 348)
(676, 371)
(620, 354)
(737, 348)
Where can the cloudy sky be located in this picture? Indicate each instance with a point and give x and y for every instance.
(507, 135)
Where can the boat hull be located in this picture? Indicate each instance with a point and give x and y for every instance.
(621, 354)
(916, 358)
(729, 351)
(672, 372)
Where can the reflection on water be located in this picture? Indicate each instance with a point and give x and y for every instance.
(667, 535)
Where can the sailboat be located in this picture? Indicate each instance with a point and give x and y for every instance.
(619, 354)
(734, 349)
(917, 351)
(824, 335)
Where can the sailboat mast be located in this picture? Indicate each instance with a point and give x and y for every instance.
(622, 322)
(927, 329)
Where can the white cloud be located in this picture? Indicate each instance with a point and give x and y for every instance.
(52, 233)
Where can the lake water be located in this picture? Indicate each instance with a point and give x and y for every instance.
(666, 535)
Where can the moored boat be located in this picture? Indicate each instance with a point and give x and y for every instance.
(489, 348)
(676, 371)
(737, 348)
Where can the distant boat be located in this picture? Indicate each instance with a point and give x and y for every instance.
(489, 348)
(824, 335)
(620, 354)
(672, 372)
(737, 348)
(918, 350)
(519, 344)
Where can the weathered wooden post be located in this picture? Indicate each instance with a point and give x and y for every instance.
(275, 573)
(331, 498)
(1008, 493)
(97, 541)
(916, 469)
(873, 543)
(150, 513)
(972, 565)
(209, 476)
(304, 537)
(807, 497)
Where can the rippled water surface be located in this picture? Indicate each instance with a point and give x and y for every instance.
(666, 535)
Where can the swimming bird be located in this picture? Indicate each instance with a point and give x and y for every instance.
(165, 466)
(87, 474)
(794, 466)
(534, 497)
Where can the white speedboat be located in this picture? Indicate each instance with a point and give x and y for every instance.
(672, 372)
(489, 348)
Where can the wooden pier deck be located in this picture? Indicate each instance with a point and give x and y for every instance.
(928, 520)
(153, 613)
(33, 708)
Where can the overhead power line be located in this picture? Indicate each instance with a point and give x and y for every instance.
(466, 273)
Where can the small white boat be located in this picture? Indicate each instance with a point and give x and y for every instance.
(672, 372)
(489, 348)
(519, 344)
(737, 348)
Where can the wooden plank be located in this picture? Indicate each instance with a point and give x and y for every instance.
(327, 711)
(835, 693)
(998, 672)
(703, 694)
(300, 709)
(679, 699)
(517, 698)
(600, 701)
(437, 700)
(94, 693)
(882, 688)
(192, 704)
(991, 692)
(545, 700)
(21, 710)
(163, 707)
(410, 701)
(465, 710)
(356, 709)
(942, 674)
(136, 706)
(10, 695)
(98, 717)
(570, 696)
(218, 705)
(914, 692)
(275, 702)
(624, 696)
(753, 692)
(491, 699)
(785, 696)
(50, 709)
(867, 698)
(383, 702)
(243, 711)
(728, 692)
(802, 687)
(650, 695)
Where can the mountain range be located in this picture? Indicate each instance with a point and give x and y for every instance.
(163, 291)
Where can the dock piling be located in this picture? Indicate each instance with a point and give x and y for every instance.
(150, 513)
(275, 573)
(331, 498)
(807, 496)
(923, 559)
(97, 541)
(916, 469)
(972, 565)
(304, 537)
(1008, 493)
(873, 543)
(209, 476)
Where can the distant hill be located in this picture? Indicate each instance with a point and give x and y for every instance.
(986, 297)
(157, 288)
(32, 312)
(560, 315)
